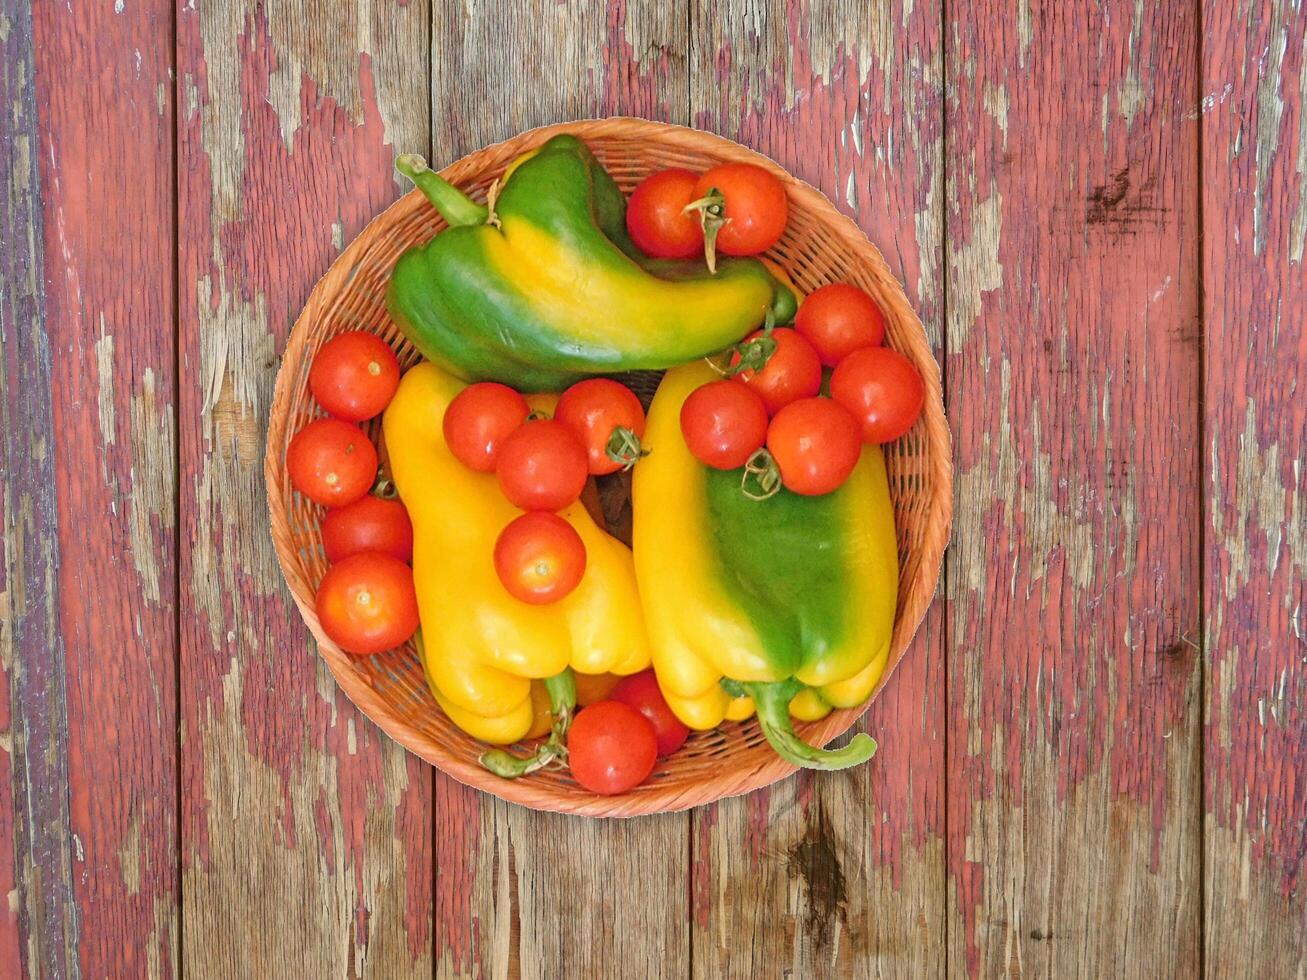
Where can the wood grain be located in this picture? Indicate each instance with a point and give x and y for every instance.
(1254, 199)
(837, 874)
(519, 892)
(106, 160)
(1074, 742)
(37, 926)
(306, 834)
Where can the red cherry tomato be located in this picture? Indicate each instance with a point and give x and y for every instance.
(656, 218)
(539, 557)
(611, 747)
(839, 319)
(479, 419)
(366, 603)
(542, 466)
(607, 418)
(755, 207)
(354, 375)
(641, 692)
(724, 423)
(371, 523)
(882, 389)
(815, 444)
(792, 372)
(331, 462)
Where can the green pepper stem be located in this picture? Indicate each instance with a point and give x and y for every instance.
(454, 206)
(562, 702)
(771, 699)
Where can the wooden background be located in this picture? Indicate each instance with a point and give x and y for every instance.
(1094, 759)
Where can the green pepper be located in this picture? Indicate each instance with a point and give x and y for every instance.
(548, 287)
(782, 606)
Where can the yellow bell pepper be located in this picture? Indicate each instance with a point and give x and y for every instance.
(785, 605)
(481, 647)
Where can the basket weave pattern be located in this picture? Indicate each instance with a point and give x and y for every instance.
(819, 246)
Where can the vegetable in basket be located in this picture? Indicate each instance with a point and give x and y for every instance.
(482, 647)
(546, 286)
(783, 606)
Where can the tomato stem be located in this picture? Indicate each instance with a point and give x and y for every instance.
(760, 471)
(712, 218)
(624, 447)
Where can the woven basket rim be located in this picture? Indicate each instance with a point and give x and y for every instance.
(649, 798)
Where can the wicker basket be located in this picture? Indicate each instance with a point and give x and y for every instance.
(819, 246)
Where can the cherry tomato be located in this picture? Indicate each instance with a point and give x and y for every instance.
(815, 444)
(656, 218)
(371, 523)
(791, 372)
(755, 207)
(593, 687)
(724, 423)
(542, 466)
(607, 418)
(642, 693)
(611, 747)
(839, 319)
(479, 419)
(354, 375)
(882, 389)
(366, 603)
(539, 557)
(331, 462)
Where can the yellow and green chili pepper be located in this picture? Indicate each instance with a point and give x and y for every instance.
(549, 287)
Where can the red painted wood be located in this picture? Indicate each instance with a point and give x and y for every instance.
(104, 92)
(1254, 195)
(1073, 385)
(37, 930)
(306, 833)
(850, 99)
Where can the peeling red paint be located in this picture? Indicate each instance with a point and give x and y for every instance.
(832, 126)
(1073, 381)
(1255, 209)
(458, 859)
(264, 203)
(106, 160)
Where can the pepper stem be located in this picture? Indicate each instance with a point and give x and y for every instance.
(454, 206)
(553, 753)
(771, 699)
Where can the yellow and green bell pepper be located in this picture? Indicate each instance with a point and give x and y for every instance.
(783, 606)
(549, 287)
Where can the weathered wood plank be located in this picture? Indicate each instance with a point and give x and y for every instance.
(518, 892)
(38, 929)
(1074, 742)
(1254, 199)
(837, 873)
(306, 833)
(104, 93)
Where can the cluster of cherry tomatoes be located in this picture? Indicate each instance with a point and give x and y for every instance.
(773, 398)
(542, 465)
(366, 602)
(734, 208)
(773, 395)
